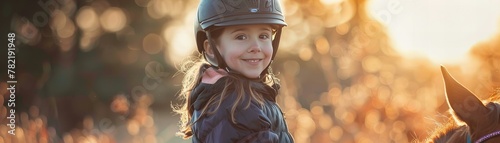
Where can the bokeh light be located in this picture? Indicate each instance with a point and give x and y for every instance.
(180, 38)
(87, 19)
(113, 19)
(152, 43)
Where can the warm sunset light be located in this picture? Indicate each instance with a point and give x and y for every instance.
(442, 31)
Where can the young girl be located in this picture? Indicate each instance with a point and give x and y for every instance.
(230, 94)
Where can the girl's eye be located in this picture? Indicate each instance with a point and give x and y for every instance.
(241, 37)
(264, 36)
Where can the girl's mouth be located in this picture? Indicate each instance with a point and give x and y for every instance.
(252, 61)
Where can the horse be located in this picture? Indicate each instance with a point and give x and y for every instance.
(472, 120)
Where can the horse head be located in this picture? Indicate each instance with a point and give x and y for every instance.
(482, 120)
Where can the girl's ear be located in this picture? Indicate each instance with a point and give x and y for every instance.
(208, 50)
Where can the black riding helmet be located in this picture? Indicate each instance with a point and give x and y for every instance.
(218, 13)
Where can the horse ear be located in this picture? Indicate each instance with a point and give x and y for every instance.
(464, 103)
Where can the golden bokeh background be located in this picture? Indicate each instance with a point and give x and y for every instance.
(107, 71)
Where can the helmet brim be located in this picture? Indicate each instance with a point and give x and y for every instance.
(252, 21)
(233, 20)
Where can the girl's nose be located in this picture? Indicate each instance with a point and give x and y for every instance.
(255, 47)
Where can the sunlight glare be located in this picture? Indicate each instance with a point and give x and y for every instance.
(442, 31)
(181, 43)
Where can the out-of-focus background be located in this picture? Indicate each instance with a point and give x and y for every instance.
(351, 70)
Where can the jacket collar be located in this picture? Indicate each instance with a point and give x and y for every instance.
(202, 93)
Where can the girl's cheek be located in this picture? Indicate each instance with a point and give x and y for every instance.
(269, 50)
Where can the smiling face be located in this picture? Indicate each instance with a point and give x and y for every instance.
(246, 49)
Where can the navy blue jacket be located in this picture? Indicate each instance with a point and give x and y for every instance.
(255, 124)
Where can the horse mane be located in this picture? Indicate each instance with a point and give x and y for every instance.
(452, 126)
(447, 129)
(495, 97)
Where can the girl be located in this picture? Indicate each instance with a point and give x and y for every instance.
(230, 94)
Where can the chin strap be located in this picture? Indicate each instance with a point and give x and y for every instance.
(276, 43)
(220, 61)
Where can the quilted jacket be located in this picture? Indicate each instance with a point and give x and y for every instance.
(255, 124)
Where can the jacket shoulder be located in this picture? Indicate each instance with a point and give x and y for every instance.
(248, 121)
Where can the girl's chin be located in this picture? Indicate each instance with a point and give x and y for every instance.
(249, 72)
(251, 75)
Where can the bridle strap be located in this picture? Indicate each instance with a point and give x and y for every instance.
(468, 139)
(486, 137)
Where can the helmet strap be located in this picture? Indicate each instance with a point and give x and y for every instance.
(276, 42)
(220, 61)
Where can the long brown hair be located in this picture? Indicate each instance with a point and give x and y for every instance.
(193, 70)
